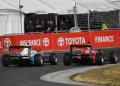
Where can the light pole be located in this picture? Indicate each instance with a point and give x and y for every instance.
(89, 20)
(118, 18)
(88, 13)
(20, 7)
(75, 15)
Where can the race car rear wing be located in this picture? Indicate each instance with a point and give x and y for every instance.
(79, 46)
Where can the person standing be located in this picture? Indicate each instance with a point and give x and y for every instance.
(104, 26)
(50, 27)
(30, 26)
(47, 26)
(62, 26)
(38, 26)
(42, 26)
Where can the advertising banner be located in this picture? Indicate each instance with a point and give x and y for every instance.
(62, 41)
(37, 41)
(1, 44)
(103, 39)
(6, 42)
(118, 38)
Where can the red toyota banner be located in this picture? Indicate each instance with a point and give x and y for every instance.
(62, 41)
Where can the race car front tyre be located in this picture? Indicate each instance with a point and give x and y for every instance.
(67, 60)
(99, 59)
(53, 59)
(113, 58)
(38, 60)
(6, 60)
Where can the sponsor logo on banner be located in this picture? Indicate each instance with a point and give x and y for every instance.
(70, 41)
(60, 41)
(46, 42)
(104, 39)
(35, 42)
(7, 42)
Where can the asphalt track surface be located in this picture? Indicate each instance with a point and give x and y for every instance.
(30, 76)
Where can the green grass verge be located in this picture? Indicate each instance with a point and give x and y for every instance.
(109, 76)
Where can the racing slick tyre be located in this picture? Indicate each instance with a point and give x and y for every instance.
(67, 60)
(38, 60)
(6, 60)
(99, 59)
(113, 58)
(53, 59)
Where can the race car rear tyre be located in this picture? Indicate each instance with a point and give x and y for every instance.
(99, 59)
(67, 60)
(6, 60)
(113, 58)
(38, 60)
(53, 59)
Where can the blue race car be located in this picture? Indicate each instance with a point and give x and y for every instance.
(23, 55)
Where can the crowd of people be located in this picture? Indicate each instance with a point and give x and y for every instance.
(41, 26)
(46, 27)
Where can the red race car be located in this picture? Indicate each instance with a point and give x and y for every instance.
(85, 54)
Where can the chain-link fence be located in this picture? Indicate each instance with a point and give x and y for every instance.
(111, 18)
(87, 21)
(93, 20)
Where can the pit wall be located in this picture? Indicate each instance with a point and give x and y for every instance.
(62, 41)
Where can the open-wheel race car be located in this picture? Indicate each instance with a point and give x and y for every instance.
(23, 55)
(85, 54)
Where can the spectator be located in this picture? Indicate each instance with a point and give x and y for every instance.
(50, 27)
(62, 26)
(42, 26)
(38, 26)
(30, 26)
(104, 26)
(47, 26)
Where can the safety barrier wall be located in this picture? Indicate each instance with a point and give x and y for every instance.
(62, 41)
(118, 38)
(1, 44)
